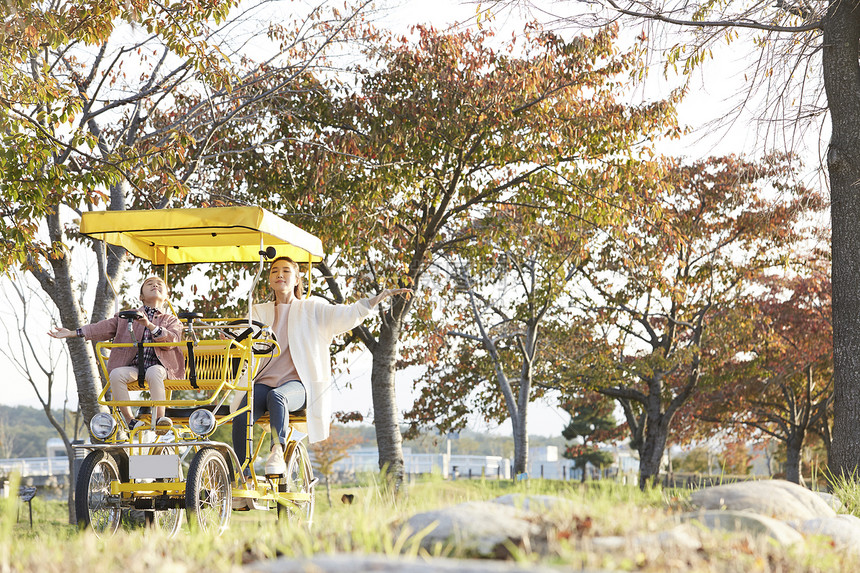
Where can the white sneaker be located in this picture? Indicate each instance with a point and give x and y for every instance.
(275, 464)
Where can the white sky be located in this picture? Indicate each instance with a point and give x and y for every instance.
(711, 99)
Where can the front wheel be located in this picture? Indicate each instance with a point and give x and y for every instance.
(95, 507)
(299, 479)
(208, 492)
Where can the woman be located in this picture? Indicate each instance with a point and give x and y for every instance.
(300, 376)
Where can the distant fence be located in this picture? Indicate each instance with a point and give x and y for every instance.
(697, 481)
(35, 467)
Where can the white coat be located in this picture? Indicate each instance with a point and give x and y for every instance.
(313, 324)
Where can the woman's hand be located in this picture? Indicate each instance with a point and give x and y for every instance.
(407, 292)
(62, 333)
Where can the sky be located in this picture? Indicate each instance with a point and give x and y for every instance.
(714, 93)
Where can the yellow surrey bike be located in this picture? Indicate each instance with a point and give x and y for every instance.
(181, 470)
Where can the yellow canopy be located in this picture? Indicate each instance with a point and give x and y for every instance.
(205, 235)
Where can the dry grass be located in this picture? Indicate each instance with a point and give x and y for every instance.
(369, 525)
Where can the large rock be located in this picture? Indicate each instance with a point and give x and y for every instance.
(479, 527)
(772, 498)
(680, 538)
(834, 502)
(353, 563)
(745, 522)
(537, 503)
(844, 530)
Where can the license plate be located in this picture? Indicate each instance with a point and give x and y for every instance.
(153, 467)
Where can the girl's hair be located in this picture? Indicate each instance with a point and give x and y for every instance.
(298, 291)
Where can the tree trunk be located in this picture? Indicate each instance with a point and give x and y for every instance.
(59, 287)
(793, 447)
(842, 85)
(521, 441)
(651, 451)
(386, 417)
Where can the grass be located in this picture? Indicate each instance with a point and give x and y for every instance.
(371, 525)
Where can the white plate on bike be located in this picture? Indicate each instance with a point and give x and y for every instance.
(153, 467)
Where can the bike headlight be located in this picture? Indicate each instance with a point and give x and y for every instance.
(102, 425)
(201, 422)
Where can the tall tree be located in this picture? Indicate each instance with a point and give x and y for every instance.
(782, 384)
(655, 297)
(123, 105)
(437, 131)
(511, 283)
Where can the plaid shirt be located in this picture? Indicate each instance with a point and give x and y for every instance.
(149, 357)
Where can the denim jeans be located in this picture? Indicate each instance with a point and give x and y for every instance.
(278, 402)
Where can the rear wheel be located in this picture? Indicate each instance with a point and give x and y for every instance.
(208, 492)
(95, 507)
(299, 478)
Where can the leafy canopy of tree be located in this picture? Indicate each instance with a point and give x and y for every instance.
(53, 104)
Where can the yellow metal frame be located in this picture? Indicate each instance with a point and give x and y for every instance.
(177, 236)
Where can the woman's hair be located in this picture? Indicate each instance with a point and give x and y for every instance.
(298, 291)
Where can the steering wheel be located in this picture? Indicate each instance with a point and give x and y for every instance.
(130, 314)
(255, 330)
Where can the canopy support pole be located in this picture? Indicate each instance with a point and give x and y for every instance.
(107, 278)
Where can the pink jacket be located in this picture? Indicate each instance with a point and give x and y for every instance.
(116, 328)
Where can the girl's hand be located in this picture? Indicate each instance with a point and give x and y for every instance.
(62, 333)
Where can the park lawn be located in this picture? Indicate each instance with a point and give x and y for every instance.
(370, 525)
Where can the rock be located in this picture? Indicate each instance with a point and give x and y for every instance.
(353, 563)
(844, 530)
(745, 522)
(772, 498)
(681, 537)
(834, 502)
(536, 503)
(478, 527)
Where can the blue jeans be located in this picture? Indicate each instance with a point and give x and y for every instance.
(278, 402)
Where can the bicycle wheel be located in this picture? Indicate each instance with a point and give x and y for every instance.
(167, 520)
(95, 507)
(208, 492)
(299, 478)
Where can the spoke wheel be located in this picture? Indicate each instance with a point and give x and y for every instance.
(166, 520)
(208, 492)
(299, 478)
(94, 505)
